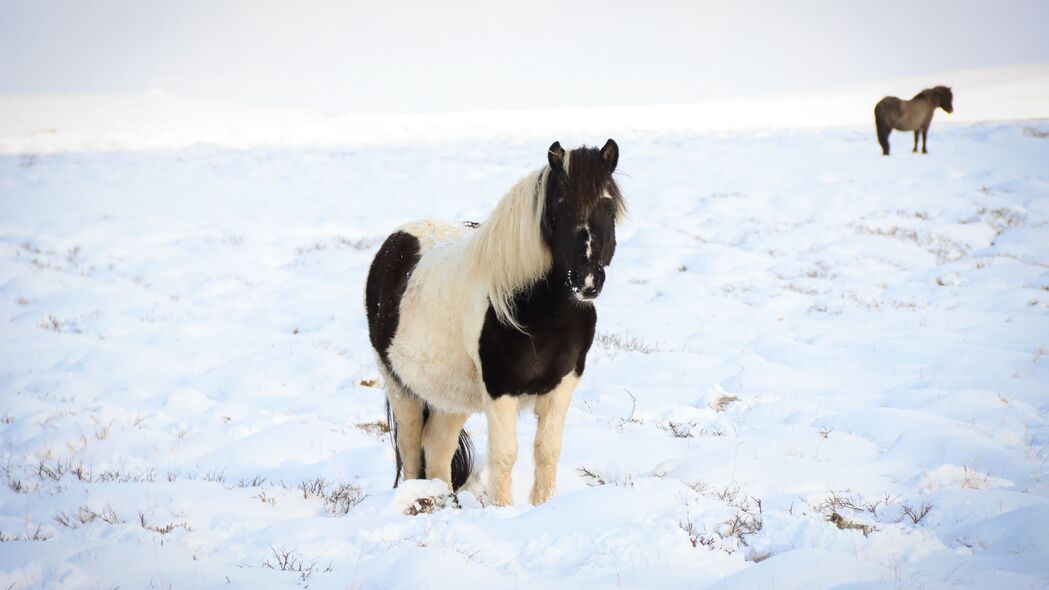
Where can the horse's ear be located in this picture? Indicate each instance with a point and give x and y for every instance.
(556, 156)
(610, 154)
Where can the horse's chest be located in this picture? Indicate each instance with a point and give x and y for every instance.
(560, 332)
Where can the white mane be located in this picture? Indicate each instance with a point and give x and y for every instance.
(507, 253)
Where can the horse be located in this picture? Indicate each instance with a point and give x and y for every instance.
(494, 317)
(910, 115)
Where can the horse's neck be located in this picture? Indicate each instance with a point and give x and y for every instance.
(507, 253)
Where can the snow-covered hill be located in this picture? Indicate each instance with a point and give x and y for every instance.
(63, 123)
(816, 367)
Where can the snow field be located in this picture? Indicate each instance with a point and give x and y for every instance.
(816, 367)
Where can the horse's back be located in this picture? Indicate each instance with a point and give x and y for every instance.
(888, 107)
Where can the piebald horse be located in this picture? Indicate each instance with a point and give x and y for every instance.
(910, 115)
(493, 318)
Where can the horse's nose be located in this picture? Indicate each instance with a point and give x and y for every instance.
(589, 292)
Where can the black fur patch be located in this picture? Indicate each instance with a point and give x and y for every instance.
(560, 332)
(387, 280)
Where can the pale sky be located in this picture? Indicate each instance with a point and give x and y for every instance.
(425, 56)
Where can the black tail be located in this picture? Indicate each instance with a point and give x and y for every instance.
(391, 424)
(883, 132)
(462, 461)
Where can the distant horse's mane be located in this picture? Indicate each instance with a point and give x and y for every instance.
(507, 253)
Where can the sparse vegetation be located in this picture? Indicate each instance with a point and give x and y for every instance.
(845, 524)
(38, 534)
(85, 515)
(723, 401)
(943, 248)
(338, 498)
(747, 520)
(286, 560)
(431, 504)
(161, 529)
(620, 343)
(377, 428)
(915, 514)
(592, 478)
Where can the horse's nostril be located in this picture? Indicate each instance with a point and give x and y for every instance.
(589, 291)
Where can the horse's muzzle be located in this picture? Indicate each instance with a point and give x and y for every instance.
(587, 284)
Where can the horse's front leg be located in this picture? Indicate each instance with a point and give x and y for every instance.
(502, 447)
(915, 150)
(550, 410)
(925, 135)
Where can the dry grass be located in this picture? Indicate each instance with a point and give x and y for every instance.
(36, 535)
(161, 529)
(85, 515)
(616, 342)
(1038, 355)
(945, 249)
(844, 524)
(723, 402)
(431, 504)
(915, 514)
(287, 560)
(377, 428)
(592, 478)
(340, 243)
(974, 480)
(53, 324)
(338, 498)
(748, 519)
(1035, 132)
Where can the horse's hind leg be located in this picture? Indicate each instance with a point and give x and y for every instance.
(440, 440)
(550, 410)
(502, 447)
(408, 430)
(883, 135)
(925, 135)
(915, 150)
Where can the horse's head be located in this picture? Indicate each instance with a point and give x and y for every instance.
(582, 206)
(944, 98)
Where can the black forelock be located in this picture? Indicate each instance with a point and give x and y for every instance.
(589, 179)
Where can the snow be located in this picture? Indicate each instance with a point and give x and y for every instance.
(802, 345)
(157, 121)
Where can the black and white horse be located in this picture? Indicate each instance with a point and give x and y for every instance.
(493, 319)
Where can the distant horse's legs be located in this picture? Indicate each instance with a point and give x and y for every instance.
(502, 447)
(925, 135)
(408, 412)
(883, 135)
(440, 440)
(915, 150)
(550, 411)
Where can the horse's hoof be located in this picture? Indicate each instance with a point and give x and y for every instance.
(503, 499)
(540, 496)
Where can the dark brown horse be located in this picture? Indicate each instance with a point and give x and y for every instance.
(910, 115)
